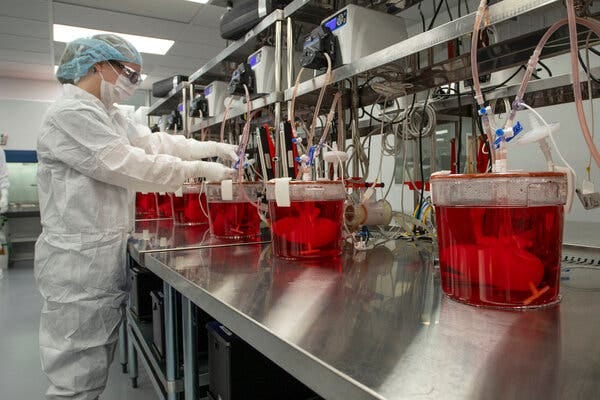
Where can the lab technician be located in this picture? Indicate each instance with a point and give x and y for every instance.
(92, 160)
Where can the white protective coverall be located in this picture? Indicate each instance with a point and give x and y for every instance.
(91, 163)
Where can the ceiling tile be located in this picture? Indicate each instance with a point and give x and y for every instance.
(28, 9)
(24, 27)
(14, 42)
(209, 16)
(25, 57)
(132, 24)
(190, 49)
(172, 10)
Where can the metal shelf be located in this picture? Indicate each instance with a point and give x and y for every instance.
(260, 102)
(539, 93)
(390, 56)
(141, 337)
(236, 52)
(306, 11)
(170, 103)
(23, 239)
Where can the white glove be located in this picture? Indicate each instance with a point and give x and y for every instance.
(224, 151)
(212, 171)
(3, 201)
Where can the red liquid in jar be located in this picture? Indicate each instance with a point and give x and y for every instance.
(233, 220)
(500, 256)
(307, 229)
(145, 206)
(165, 208)
(186, 209)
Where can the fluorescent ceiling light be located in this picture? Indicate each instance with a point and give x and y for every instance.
(144, 76)
(144, 44)
(199, 1)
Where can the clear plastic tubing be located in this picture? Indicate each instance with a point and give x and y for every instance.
(572, 20)
(475, 72)
(229, 103)
(293, 105)
(575, 73)
(328, 79)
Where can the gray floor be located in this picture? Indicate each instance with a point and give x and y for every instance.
(20, 374)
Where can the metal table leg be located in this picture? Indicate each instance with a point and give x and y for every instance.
(189, 319)
(123, 342)
(171, 331)
(132, 358)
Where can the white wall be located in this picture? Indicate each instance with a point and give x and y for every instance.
(26, 89)
(23, 104)
(573, 148)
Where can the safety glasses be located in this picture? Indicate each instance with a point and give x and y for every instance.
(128, 72)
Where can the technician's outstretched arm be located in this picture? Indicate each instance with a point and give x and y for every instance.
(81, 137)
(176, 145)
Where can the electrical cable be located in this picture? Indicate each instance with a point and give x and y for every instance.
(545, 67)
(459, 135)
(422, 17)
(492, 88)
(421, 197)
(588, 167)
(448, 10)
(435, 14)
(460, 125)
(586, 69)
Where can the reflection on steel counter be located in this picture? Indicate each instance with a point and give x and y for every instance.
(380, 328)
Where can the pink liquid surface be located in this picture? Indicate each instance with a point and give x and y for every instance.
(307, 229)
(145, 206)
(500, 256)
(186, 209)
(233, 220)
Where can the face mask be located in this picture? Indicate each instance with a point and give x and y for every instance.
(111, 93)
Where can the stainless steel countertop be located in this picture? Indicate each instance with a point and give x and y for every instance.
(155, 235)
(375, 325)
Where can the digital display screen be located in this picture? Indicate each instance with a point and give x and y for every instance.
(254, 59)
(337, 22)
(208, 90)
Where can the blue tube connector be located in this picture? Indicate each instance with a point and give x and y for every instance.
(311, 154)
(518, 128)
(502, 134)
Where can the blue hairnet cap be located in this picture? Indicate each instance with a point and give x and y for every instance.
(81, 54)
